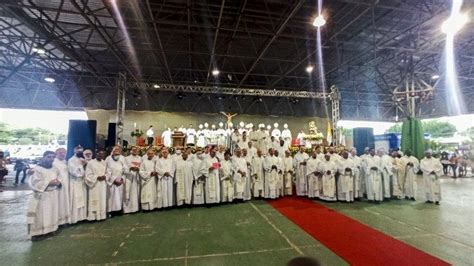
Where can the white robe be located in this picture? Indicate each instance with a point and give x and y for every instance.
(212, 181)
(373, 178)
(77, 190)
(164, 186)
(198, 183)
(131, 201)
(358, 177)
(271, 176)
(276, 133)
(257, 176)
(97, 190)
(240, 181)
(184, 181)
(387, 172)
(288, 172)
(301, 181)
(345, 182)
(252, 152)
(115, 171)
(397, 170)
(221, 137)
(190, 136)
(431, 181)
(201, 139)
(63, 193)
(166, 136)
(407, 176)
(227, 186)
(42, 214)
(148, 183)
(286, 135)
(328, 180)
(312, 166)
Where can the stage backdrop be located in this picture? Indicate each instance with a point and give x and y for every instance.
(161, 120)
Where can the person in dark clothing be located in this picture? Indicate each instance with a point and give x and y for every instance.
(445, 162)
(20, 166)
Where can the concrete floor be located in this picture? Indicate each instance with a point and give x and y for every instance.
(250, 233)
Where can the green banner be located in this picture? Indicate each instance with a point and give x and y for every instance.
(412, 137)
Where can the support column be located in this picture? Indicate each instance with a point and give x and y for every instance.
(121, 94)
(335, 97)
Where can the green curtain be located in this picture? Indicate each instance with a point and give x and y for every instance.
(412, 137)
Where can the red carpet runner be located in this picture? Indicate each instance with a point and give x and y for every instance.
(356, 243)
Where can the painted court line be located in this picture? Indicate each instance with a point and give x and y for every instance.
(236, 253)
(277, 229)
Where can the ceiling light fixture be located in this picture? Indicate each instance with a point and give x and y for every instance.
(156, 86)
(435, 77)
(215, 72)
(38, 50)
(319, 21)
(309, 69)
(50, 80)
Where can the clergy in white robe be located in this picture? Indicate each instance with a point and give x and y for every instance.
(184, 180)
(257, 173)
(77, 187)
(345, 181)
(115, 171)
(166, 136)
(364, 170)
(270, 165)
(328, 169)
(313, 176)
(131, 201)
(220, 153)
(280, 173)
(240, 170)
(432, 170)
(148, 178)
(286, 135)
(210, 170)
(60, 164)
(226, 176)
(373, 171)
(201, 138)
(299, 163)
(288, 173)
(42, 214)
(243, 141)
(387, 172)
(199, 180)
(97, 188)
(248, 181)
(409, 168)
(251, 150)
(358, 177)
(397, 170)
(165, 167)
(190, 136)
(221, 135)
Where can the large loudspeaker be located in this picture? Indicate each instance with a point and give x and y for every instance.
(363, 137)
(111, 135)
(81, 132)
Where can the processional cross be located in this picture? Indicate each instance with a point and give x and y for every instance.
(229, 117)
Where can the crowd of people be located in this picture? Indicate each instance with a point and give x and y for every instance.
(86, 188)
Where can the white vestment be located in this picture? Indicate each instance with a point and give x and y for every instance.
(270, 165)
(201, 139)
(77, 189)
(257, 176)
(131, 201)
(148, 183)
(397, 171)
(97, 190)
(301, 181)
(42, 214)
(276, 133)
(221, 137)
(288, 172)
(312, 166)
(184, 181)
(373, 172)
(115, 172)
(198, 184)
(252, 152)
(328, 180)
(432, 170)
(358, 177)
(407, 175)
(227, 186)
(286, 135)
(387, 172)
(164, 186)
(63, 193)
(240, 180)
(190, 136)
(166, 136)
(212, 181)
(345, 182)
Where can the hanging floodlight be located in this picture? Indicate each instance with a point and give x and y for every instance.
(49, 79)
(156, 86)
(435, 77)
(39, 50)
(319, 21)
(454, 23)
(309, 69)
(215, 72)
